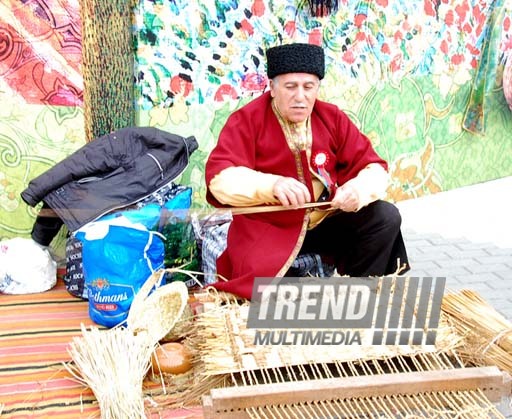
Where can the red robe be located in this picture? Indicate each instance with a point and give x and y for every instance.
(265, 244)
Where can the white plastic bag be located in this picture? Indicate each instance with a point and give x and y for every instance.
(25, 267)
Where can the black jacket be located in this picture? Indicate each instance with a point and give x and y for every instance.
(110, 172)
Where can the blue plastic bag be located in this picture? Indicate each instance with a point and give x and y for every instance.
(147, 215)
(118, 257)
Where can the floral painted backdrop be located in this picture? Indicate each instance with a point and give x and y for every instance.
(41, 118)
(422, 78)
(407, 72)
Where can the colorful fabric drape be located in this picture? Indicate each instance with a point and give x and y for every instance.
(40, 51)
(475, 116)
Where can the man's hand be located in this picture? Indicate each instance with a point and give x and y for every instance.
(346, 199)
(290, 191)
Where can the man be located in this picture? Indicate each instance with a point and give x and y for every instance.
(288, 148)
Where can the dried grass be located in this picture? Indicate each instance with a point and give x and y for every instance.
(226, 345)
(113, 363)
(487, 335)
(158, 313)
(182, 327)
(183, 390)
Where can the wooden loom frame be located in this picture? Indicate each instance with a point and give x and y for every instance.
(232, 402)
(408, 384)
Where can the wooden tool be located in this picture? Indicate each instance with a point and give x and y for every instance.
(332, 393)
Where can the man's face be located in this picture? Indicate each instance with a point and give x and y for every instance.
(295, 95)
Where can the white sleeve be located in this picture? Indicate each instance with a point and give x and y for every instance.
(240, 186)
(370, 184)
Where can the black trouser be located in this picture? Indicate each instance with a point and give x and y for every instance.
(363, 243)
(45, 228)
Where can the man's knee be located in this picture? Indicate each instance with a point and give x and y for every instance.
(386, 214)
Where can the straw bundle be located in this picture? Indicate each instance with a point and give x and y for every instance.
(113, 364)
(486, 342)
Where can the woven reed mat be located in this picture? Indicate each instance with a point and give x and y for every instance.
(227, 357)
(221, 336)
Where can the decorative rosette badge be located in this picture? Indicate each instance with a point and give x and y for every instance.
(320, 160)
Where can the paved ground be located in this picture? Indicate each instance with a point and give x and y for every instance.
(464, 235)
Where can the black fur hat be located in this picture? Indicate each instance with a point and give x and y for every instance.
(295, 58)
